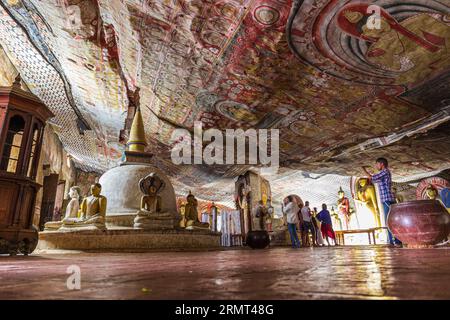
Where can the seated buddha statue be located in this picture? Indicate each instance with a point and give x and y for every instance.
(191, 214)
(150, 215)
(431, 192)
(72, 210)
(92, 211)
(73, 206)
(366, 194)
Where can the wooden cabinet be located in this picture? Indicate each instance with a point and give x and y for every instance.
(22, 120)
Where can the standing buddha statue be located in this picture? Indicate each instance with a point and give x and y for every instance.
(367, 196)
(343, 206)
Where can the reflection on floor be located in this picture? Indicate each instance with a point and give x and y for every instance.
(364, 272)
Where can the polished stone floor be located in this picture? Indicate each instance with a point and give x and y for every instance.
(364, 272)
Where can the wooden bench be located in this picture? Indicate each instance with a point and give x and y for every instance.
(340, 234)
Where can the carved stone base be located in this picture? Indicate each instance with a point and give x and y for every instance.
(197, 228)
(81, 227)
(196, 225)
(154, 221)
(52, 225)
(281, 237)
(128, 240)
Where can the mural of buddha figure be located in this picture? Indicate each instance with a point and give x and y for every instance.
(415, 47)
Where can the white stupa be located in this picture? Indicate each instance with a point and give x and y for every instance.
(120, 185)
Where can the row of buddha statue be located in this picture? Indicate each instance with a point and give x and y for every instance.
(365, 199)
(91, 213)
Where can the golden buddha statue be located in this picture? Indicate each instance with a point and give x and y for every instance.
(92, 211)
(366, 194)
(93, 208)
(183, 216)
(431, 192)
(191, 214)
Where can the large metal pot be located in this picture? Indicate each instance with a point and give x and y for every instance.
(258, 239)
(419, 223)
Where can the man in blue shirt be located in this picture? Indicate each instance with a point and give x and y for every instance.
(384, 180)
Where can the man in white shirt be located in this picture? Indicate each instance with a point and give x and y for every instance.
(307, 225)
(291, 209)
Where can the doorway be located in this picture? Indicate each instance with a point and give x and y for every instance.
(50, 188)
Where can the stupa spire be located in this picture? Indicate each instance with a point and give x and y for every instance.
(137, 141)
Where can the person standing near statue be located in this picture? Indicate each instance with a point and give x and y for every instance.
(291, 209)
(258, 216)
(326, 226)
(316, 224)
(307, 226)
(384, 179)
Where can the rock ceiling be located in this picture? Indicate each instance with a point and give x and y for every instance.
(340, 93)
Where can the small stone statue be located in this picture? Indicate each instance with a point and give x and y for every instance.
(183, 217)
(73, 206)
(269, 217)
(151, 186)
(258, 216)
(150, 216)
(72, 210)
(191, 214)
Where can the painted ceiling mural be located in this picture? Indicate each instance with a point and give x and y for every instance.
(340, 92)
